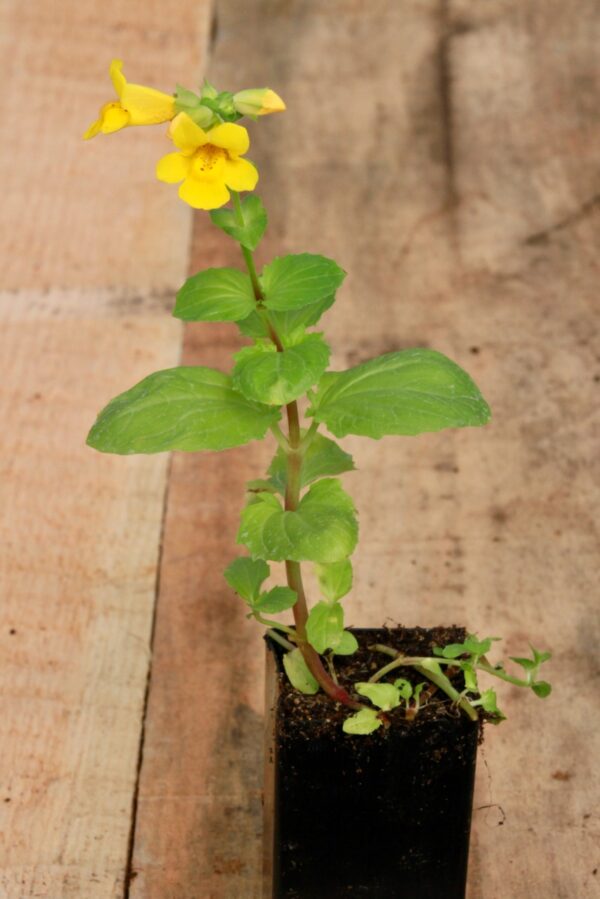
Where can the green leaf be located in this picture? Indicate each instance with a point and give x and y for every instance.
(470, 677)
(185, 97)
(325, 626)
(409, 392)
(542, 689)
(215, 295)
(347, 646)
(255, 222)
(322, 458)
(335, 579)
(363, 722)
(187, 408)
(322, 529)
(289, 324)
(276, 600)
(404, 687)
(471, 646)
(418, 690)
(263, 374)
(540, 657)
(299, 673)
(246, 577)
(291, 282)
(489, 702)
(384, 696)
(527, 664)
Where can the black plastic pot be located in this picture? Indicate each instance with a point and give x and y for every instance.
(383, 816)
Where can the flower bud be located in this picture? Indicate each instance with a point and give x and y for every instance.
(258, 101)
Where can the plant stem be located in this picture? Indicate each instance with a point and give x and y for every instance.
(499, 672)
(292, 497)
(247, 254)
(279, 639)
(440, 680)
(294, 573)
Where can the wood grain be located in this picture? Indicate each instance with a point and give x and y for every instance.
(90, 214)
(91, 252)
(79, 550)
(444, 155)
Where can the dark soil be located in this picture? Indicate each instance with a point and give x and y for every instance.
(315, 717)
(382, 816)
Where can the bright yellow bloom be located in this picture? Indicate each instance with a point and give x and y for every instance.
(208, 162)
(258, 101)
(136, 105)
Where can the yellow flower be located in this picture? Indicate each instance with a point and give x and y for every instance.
(258, 101)
(136, 105)
(208, 162)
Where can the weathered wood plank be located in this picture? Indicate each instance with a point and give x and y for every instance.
(80, 532)
(79, 546)
(407, 154)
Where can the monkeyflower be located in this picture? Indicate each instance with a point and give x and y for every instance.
(208, 162)
(136, 105)
(258, 101)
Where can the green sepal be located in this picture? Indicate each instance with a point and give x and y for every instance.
(322, 529)
(263, 374)
(295, 281)
(322, 458)
(246, 576)
(405, 393)
(184, 98)
(187, 101)
(279, 599)
(299, 673)
(215, 295)
(362, 723)
(325, 626)
(335, 579)
(188, 408)
(250, 233)
(385, 696)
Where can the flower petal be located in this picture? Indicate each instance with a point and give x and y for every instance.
(240, 174)
(185, 134)
(272, 102)
(93, 130)
(117, 77)
(113, 117)
(173, 168)
(204, 194)
(146, 105)
(230, 137)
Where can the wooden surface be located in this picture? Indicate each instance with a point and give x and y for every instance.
(90, 248)
(445, 153)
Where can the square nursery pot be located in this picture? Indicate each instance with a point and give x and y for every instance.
(383, 816)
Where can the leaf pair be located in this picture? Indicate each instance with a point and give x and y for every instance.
(386, 697)
(246, 577)
(296, 290)
(322, 529)
(302, 281)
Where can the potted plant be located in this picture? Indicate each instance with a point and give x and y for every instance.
(372, 734)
